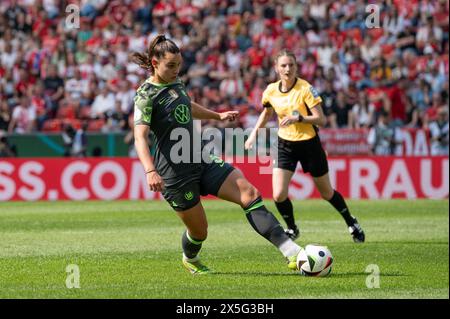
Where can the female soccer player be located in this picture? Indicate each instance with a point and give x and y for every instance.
(298, 107)
(162, 105)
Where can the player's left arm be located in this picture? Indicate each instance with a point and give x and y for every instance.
(202, 113)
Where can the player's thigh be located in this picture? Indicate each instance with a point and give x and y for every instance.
(324, 187)
(237, 189)
(195, 221)
(280, 183)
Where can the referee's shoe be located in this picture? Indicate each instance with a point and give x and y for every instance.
(357, 232)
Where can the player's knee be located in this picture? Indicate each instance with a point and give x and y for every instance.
(250, 195)
(199, 234)
(279, 197)
(327, 195)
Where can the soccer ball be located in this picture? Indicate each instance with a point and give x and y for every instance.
(315, 260)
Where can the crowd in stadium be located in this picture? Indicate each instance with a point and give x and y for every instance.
(54, 74)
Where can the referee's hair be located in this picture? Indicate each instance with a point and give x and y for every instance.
(284, 52)
(157, 48)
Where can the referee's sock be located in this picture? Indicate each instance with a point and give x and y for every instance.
(265, 224)
(339, 204)
(191, 246)
(287, 212)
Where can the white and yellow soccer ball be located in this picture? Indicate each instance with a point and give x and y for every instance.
(315, 260)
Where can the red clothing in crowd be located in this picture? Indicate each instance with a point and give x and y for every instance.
(398, 103)
(357, 70)
(256, 56)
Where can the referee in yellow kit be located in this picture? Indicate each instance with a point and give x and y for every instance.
(298, 107)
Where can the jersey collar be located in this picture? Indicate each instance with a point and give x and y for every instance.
(279, 86)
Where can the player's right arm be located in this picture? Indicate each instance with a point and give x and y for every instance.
(262, 121)
(154, 181)
(143, 109)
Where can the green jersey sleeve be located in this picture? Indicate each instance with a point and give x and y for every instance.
(143, 107)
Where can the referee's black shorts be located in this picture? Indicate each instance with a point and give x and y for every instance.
(310, 153)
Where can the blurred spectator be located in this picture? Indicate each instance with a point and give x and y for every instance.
(232, 88)
(243, 39)
(5, 115)
(250, 119)
(53, 89)
(324, 53)
(125, 97)
(436, 79)
(75, 141)
(439, 132)
(293, 10)
(198, 72)
(77, 87)
(233, 57)
(339, 116)
(380, 71)
(328, 96)
(104, 102)
(362, 113)
(357, 69)
(428, 31)
(79, 145)
(8, 57)
(23, 117)
(431, 113)
(38, 103)
(384, 137)
(307, 22)
(420, 95)
(116, 120)
(6, 150)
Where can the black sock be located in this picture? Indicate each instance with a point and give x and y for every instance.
(265, 223)
(287, 212)
(338, 202)
(191, 246)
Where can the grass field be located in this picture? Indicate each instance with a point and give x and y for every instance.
(132, 250)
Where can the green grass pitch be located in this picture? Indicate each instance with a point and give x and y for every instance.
(126, 249)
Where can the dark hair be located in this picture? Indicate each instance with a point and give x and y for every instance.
(157, 48)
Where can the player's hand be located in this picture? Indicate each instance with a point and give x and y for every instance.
(230, 116)
(288, 120)
(249, 143)
(155, 182)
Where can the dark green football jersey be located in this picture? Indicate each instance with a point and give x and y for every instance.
(167, 110)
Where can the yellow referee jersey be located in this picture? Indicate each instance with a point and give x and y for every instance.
(299, 99)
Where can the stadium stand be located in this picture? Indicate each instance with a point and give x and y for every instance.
(401, 66)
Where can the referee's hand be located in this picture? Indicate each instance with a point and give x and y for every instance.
(155, 182)
(288, 120)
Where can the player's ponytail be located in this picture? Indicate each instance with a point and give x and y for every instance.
(157, 48)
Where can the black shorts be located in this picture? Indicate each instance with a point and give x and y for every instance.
(310, 153)
(208, 182)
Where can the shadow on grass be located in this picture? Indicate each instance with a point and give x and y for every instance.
(364, 274)
(412, 242)
(253, 273)
(286, 274)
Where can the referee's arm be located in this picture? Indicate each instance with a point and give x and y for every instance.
(317, 117)
(262, 121)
